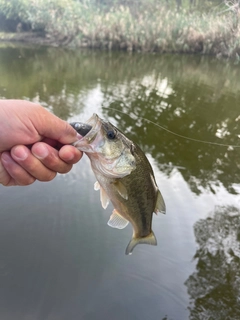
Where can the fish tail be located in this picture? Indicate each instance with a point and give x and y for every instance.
(150, 239)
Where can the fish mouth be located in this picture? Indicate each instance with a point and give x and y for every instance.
(81, 128)
(88, 131)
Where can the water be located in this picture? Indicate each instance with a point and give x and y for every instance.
(59, 259)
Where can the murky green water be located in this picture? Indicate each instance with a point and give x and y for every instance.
(60, 260)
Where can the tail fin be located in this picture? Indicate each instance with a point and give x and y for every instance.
(150, 239)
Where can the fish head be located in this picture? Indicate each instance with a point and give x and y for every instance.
(109, 150)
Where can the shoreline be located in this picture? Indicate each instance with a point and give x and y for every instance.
(40, 38)
(27, 37)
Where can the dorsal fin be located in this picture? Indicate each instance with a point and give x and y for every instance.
(160, 204)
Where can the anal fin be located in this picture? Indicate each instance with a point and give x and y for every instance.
(117, 221)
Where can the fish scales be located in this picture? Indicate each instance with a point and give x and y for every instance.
(124, 176)
(141, 196)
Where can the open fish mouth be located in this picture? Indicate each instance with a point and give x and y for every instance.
(89, 129)
(81, 128)
(89, 133)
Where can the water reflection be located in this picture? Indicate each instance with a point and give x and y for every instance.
(59, 259)
(180, 110)
(191, 96)
(215, 285)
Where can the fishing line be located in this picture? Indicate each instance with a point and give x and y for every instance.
(176, 134)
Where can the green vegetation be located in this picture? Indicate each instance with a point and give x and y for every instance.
(190, 26)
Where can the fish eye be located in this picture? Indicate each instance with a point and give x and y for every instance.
(111, 134)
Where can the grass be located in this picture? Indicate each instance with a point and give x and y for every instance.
(150, 27)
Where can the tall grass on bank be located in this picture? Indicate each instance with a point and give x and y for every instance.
(150, 26)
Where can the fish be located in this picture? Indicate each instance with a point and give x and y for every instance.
(124, 177)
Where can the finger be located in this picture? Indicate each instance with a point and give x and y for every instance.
(51, 142)
(24, 157)
(67, 153)
(70, 154)
(54, 127)
(49, 157)
(5, 178)
(11, 173)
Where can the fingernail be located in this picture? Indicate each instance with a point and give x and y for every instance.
(19, 153)
(69, 157)
(5, 156)
(40, 151)
(79, 136)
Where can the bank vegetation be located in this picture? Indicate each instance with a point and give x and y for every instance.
(179, 26)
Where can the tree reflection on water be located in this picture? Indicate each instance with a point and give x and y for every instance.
(214, 287)
(192, 96)
(187, 110)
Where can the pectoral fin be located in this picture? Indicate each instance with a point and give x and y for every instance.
(117, 221)
(121, 189)
(160, 204)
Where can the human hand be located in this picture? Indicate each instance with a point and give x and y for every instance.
(33, 144)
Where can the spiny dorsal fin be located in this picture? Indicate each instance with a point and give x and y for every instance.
(117, 221)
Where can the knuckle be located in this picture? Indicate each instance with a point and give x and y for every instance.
(5, 183)
(15, 171)
(27, 181)
(65, 169)
(56, 164)
(52, 161)
(47, 176)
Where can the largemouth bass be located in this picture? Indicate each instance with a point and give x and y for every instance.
(124, 177)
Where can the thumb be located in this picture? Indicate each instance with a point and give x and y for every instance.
(50, 126)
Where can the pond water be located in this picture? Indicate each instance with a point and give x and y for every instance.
(59, 259)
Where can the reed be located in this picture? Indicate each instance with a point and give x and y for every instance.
(151, 26)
